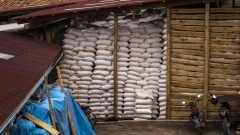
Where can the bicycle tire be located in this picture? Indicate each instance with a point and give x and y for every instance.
(225, 126)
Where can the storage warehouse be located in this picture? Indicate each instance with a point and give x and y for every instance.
(141, 59)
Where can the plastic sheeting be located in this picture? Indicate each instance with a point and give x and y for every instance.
(60, 102)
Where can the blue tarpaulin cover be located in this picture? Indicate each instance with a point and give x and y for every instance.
(60, 102)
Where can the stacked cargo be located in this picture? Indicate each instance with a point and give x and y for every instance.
(141, 66)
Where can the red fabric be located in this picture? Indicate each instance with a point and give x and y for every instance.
(194, 110)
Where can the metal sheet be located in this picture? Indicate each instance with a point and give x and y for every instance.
(87, 5)
(22, 74)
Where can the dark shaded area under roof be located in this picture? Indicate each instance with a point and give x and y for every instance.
(22, 73)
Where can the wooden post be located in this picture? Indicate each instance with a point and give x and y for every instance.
(44, 32)
(50, 104)
(206, 66)
(68, 111)
(133, 16)
(168, 61)
(115, 67)
(60, 78)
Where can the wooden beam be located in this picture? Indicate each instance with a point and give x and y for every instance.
(115, 66)
(223, 88)
(186, 73)
(206, 67)
(225, 10)
(50, 104)
(188, 10)
(184, 56)
(133, 16)
(224, 55)
(190, 90)
(168, 62)
(187, 62)
(195, 40)
(187, 33)
(185, 28)
(188, 52)
(187, 85)
(187, 16)
(222, 76)
(188, 22)
(184, 96)
(68, 111)
(41, 124)
(108, 10)
(187, 67)
(187, 79)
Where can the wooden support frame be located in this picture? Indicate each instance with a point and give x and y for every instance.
(115, 66)
(206, 66)
(168, 61)
(133, 15)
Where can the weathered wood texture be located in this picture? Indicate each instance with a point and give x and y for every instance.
(188, 58)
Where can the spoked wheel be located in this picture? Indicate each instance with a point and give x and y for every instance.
(92, 119)
(202, 117)
(226, 126)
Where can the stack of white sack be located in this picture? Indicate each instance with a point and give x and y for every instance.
(100, 98)
(79, 57)
(133, 74)
(122, 66)
(162, 82)
(143, 104)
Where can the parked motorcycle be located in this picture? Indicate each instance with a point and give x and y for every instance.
(224, 114)
(91, 117)
(196, 116)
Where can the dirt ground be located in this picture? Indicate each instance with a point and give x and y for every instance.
(158, 127)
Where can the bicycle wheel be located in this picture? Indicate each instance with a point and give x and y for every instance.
(202, 118)
(226, 126)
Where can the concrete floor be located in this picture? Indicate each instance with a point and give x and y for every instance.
(158, 127)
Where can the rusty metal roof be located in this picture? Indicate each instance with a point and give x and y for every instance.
(24, 62)
(87, 5)
(8, 6)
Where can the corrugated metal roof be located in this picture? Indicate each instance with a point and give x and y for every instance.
(21, 74)
(39, 5)
(87, 5)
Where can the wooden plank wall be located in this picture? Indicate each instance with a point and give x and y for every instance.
(187, 59)
(224, 57)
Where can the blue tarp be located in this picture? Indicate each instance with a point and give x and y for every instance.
(60, 102)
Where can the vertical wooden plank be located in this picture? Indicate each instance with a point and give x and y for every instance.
(115, 66)
(49, 34)
(206, 71)
(50, 104)
(133, 16)
(68, 111)
(44, 32)
(168, 60)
